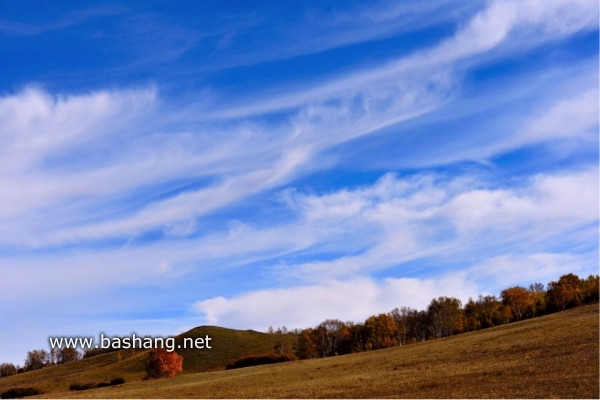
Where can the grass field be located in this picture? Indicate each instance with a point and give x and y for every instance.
(548, 357)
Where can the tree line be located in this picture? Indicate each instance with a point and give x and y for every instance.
(445, 316)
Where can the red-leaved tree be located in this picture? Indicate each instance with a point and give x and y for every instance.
(163, 364)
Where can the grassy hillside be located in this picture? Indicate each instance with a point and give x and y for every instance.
(547, 357)
(227, 345)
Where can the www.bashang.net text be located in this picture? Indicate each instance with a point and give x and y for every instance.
(130, 342)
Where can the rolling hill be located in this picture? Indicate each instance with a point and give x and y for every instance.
(546, 357)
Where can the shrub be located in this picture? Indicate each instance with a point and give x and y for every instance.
(93, 385)
(262, 359)
(117, 381)
(83, 386)
(163, 364)
(19, 392)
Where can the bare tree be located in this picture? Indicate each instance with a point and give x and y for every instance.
(36, 359)
(7, 369)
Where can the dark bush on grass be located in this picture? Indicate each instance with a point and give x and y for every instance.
(93, 385)
(19, 392)
(117, 381)
(83, 386)
(261, 359)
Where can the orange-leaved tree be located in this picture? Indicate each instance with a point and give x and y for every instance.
(163, 364)
(382, 331)
(519, 300)
(566, 292)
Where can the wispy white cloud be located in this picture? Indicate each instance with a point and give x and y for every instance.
(503, 26)
(40, 132)
(532, 22)
(414, 219)
(44, 130)
(159, 159)
(346, 234)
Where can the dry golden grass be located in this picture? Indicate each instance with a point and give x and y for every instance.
(101, 368)
(549, 357)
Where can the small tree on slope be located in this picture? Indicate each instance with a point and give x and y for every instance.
(163, 364)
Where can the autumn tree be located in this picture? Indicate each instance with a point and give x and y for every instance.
(471, 316)
(357, 338)
(344, 344)
(538, 298)
(411, 325)
(419, 324)
(7, 369)
(490, 311)
(445, 316)
(36, 359)
(329, 336)
(591, 288)
(566, 292)
(399, 316)
(305, 347)
(382, 331)
(518, 300)
(67, 354)
(163, 364)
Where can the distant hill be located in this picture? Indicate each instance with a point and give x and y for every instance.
(227, 345)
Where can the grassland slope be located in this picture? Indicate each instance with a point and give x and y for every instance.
(554, 356)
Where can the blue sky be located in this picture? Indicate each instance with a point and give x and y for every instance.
(164, 166)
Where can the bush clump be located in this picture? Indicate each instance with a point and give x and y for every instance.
(83, 386)
(117, 381)
(93, 385)
(260, 359)
(20, 392)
